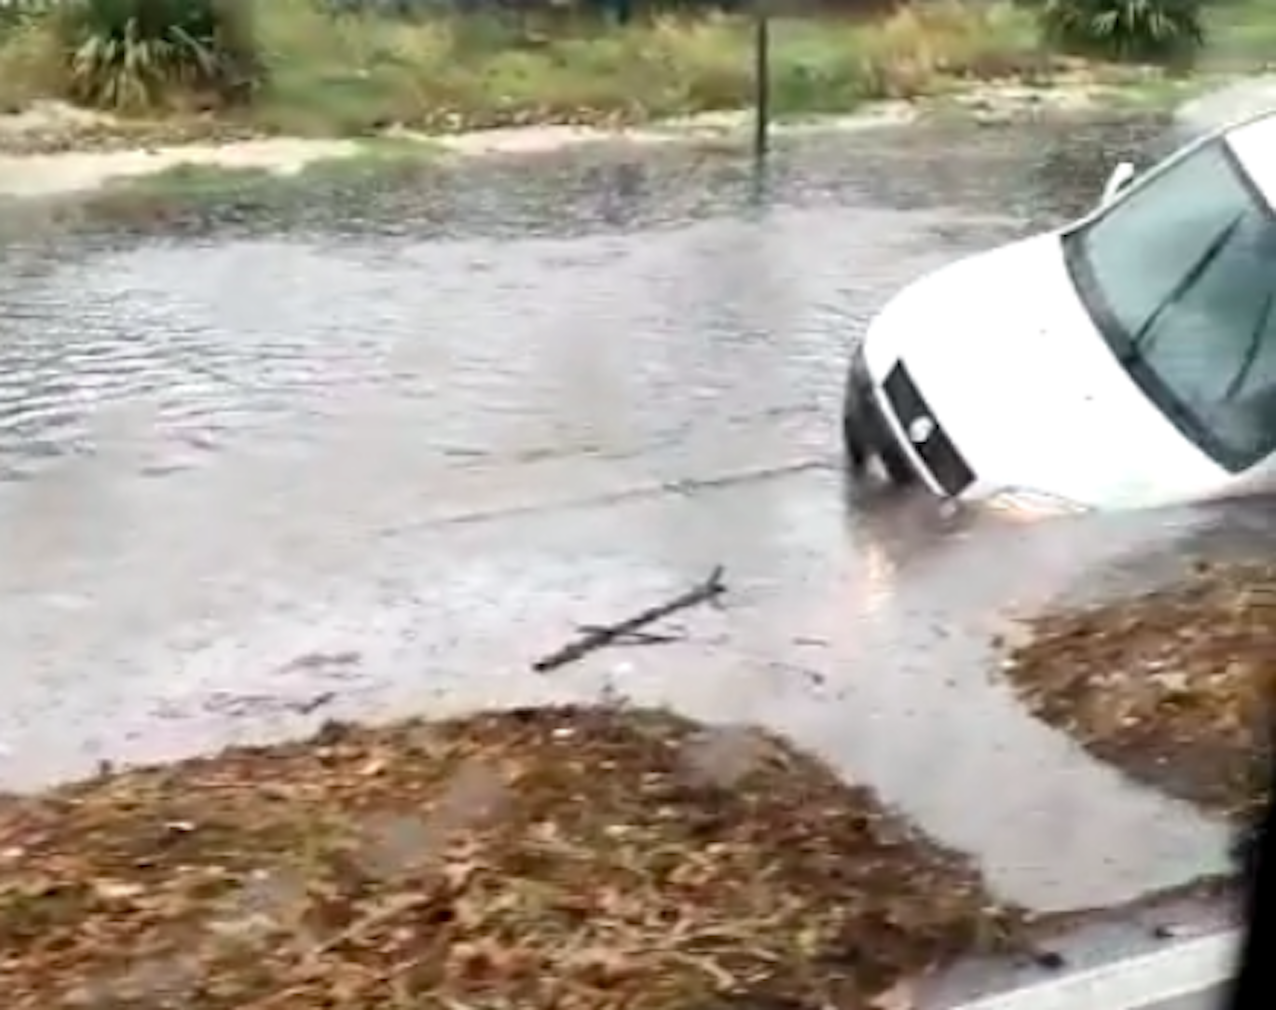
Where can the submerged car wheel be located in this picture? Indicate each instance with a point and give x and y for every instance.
(857, 453)
(865, 432)
(897, 467)
(860, 448)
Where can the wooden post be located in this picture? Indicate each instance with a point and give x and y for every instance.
(761, 80)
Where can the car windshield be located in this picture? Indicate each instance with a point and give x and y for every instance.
(1180, 278)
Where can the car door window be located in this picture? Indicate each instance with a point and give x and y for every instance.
(1181, 279)
(1146, 246)
(1215, 341)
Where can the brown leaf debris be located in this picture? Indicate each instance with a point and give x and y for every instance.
(1174, 686)
(548, 858)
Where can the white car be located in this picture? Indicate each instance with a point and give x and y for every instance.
(1125, 360)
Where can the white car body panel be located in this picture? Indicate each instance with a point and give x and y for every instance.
(1015, 371)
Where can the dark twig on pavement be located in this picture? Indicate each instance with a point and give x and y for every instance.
(633, 637)
(607, 634)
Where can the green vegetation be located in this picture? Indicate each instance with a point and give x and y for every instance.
(372, 158)
(293, 66)
(1152, 31)
(190, 180)
(128, 53)
(1241, 32)
(298, 67)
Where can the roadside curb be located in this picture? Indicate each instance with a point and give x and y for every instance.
(1186, 969)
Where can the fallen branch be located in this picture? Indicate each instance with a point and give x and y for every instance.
(633, 637)
(607, 634)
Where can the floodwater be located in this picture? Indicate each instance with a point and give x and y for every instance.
(376, 451)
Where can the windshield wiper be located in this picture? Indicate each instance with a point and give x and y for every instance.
(1251, 352)
(1210, 254)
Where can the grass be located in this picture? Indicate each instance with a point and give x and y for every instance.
(186, 192)
(353, 75)
(1242, 35)
(1240, 41)
(357, 74)
(540, 858)
(193, 180)
(372, 158)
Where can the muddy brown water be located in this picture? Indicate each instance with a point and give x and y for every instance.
(374, 452)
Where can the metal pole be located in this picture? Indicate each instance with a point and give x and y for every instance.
(761, 80)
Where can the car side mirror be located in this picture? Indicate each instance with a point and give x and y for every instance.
(1121, 177)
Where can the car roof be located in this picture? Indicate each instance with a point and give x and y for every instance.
(1253, 141)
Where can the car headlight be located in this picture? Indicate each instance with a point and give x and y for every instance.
(1021, 503)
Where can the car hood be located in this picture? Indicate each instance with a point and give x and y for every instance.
(1014, 370)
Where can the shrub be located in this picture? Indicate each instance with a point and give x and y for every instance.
(132, 54)
(1152, 31)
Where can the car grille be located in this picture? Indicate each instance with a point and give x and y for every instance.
(950, 470)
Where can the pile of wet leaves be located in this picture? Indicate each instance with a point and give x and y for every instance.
(561, 857)
(1174, 687)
